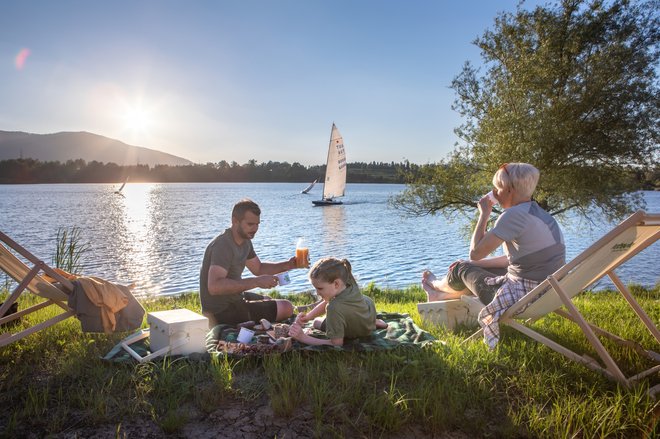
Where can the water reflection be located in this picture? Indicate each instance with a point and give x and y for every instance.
(135, 210)
(137, 235)
(334, 230)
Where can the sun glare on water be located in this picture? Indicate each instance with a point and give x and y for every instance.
(136, 214)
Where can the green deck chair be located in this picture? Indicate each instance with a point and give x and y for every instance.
(555, 294)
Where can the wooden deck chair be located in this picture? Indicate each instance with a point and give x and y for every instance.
(29, 279)
(626, 240)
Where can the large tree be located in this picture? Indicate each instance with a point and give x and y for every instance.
(571, 88)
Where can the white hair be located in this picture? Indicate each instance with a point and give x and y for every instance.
(522, 177)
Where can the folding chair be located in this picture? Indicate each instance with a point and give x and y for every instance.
(626, 240)
(29, 279)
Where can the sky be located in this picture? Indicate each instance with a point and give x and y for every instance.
(244, 79)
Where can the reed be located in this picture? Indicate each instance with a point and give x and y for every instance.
(70, 249)
(55, 382)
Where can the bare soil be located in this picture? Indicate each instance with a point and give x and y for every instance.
(238, 419)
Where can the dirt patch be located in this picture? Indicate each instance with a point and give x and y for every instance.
(231, 420)
(238, 419)
(247, 413)
(244, 413)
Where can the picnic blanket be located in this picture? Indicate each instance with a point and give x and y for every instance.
(401, 332)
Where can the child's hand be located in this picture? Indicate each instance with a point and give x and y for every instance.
(296, 330)
(302, 318)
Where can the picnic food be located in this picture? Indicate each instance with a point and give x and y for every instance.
(281, 330)
(241, 349)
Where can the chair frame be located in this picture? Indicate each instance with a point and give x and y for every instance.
(29, 279)
(556, 283)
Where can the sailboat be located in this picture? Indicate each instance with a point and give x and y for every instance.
(334, 184)
(309, 188)
(118, 191)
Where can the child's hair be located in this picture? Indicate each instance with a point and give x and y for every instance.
(330, 269)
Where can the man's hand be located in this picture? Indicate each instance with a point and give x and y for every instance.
(266, 281)
(453, 264)
(302, 318)
(485, 205)
(292, 263)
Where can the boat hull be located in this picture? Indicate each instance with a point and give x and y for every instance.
(326, 202)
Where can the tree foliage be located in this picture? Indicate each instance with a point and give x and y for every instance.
(571, 88)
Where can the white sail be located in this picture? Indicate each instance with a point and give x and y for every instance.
(334, 184)
(309, 188)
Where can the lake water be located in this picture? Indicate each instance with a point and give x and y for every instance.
(156, 234)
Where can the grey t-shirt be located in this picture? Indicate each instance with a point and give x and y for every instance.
(533, 241)
(223, 251)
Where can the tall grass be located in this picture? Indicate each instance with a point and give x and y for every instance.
(70, 249)
(55, 381)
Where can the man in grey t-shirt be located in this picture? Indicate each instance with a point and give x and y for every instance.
(533, 243)
(533, 249)
(222, 289)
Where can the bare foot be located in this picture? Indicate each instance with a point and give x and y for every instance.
(438, 289)
(380, 324)
(431, 279)
(433, 295)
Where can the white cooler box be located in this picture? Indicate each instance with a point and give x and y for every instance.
(172, 332)
(183, 330)
(451, 313)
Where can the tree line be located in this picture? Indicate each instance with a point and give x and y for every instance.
(29, 171)
(22, 171)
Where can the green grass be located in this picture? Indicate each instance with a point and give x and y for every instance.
(56, 382)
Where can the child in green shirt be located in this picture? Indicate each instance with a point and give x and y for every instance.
(348, 313)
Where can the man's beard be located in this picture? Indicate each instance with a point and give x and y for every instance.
(246, 235)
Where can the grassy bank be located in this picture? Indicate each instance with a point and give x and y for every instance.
(55, 383)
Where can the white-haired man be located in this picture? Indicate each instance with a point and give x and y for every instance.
(533, 249)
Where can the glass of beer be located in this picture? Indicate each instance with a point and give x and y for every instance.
(302, 254)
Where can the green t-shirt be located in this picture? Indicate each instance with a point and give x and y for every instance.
(223, 251)
(350, 314)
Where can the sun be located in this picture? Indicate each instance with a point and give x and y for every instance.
(137, 119)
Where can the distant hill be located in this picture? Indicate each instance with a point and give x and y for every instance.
(82, 145)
